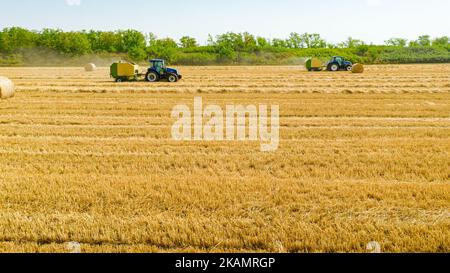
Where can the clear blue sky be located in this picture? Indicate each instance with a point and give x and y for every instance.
(369, 20)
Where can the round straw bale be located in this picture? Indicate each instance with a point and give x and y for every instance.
(90, 67)
(6, 88)
(358, 68)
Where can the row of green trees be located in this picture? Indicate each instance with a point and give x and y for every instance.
(228, 48)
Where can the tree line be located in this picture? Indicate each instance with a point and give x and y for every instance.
(228, 48)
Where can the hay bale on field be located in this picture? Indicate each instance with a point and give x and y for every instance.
(7, 88)
(358, 68)
(90, 67)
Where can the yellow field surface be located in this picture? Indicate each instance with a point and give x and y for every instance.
(362, 157)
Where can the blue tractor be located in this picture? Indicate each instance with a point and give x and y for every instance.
(339, 63)
(158, 71)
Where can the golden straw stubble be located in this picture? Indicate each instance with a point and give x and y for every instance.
(362, 161)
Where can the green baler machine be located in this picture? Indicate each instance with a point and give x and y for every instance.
(125, 71)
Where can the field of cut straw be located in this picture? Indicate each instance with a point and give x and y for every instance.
(362, 158)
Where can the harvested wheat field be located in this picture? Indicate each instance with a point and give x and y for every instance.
(362, 157)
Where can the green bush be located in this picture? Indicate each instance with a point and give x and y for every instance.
(20, 46)
(195, 58)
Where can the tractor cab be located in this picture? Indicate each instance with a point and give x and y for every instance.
(158, 71)
(158, 65)
(338, 60)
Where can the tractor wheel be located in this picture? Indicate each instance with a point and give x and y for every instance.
(172, 78)
(152, 77)
(334, 67)
(349, 68)
(119, 80)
